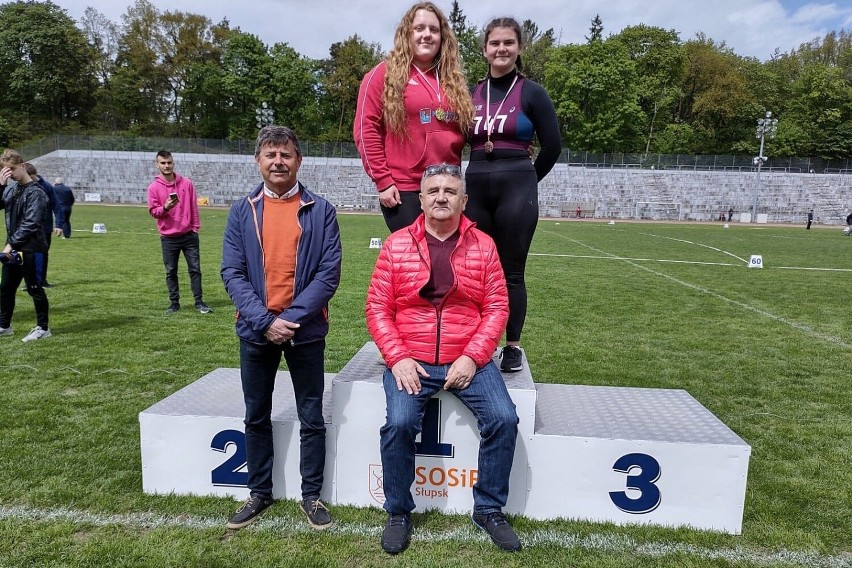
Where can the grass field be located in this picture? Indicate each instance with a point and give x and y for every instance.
(769, 351)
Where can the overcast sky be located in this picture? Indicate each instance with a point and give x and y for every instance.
(750, 27)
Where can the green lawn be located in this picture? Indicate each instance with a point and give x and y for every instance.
(769, 351)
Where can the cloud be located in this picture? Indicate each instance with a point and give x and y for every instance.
(749, 27)
(810, 14)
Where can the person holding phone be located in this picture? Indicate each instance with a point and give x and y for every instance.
(172, 202)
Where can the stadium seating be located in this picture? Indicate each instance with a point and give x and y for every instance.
(603, 192)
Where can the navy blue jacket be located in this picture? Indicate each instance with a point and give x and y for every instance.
(318, 258)
(47, 223)
(64, 196)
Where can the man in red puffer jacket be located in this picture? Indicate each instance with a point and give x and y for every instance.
(436, 307)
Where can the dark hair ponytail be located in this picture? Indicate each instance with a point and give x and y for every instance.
(513, 25)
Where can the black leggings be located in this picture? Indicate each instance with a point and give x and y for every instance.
(403, 215)
(503, 200)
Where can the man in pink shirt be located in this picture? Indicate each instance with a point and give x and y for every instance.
(172, 202)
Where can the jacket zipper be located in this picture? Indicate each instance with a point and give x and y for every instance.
(438, 335)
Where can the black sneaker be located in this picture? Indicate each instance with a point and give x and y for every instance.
(316, 513)
(248, 512)
(203, 308)
(46, 285)
(172, 308)
(397, 533)
(499, 529)
(511, 359)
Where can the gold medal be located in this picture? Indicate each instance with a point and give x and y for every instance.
(489, 146)
(440, 114)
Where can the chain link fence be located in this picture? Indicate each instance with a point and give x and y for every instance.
(348, 150)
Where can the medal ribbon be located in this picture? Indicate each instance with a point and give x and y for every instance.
(489, 122)
(428, 84)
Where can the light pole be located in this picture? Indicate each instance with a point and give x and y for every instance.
(765, 127)
(264, 115)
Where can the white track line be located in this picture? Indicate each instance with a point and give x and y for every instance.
(282, 526)
(795, 325)
(744, 261)
(815, 269)
(634, 259)
(671, 261)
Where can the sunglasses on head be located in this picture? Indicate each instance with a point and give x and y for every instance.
(438, 169)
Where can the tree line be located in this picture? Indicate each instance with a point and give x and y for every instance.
(177, 74)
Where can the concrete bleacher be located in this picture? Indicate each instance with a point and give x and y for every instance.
(603, 192)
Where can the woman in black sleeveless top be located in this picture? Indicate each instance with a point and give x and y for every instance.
(502, 182)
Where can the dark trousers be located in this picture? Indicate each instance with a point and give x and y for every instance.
(66, 224)
(404, 214)
(258, 367)
(172, 247)
(503, 201)
(31, 272)
(48, 237)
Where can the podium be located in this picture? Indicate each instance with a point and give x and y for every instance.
(443, 478)
(611, 454)
(193, 441)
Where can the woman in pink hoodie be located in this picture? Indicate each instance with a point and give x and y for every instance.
(414, 110)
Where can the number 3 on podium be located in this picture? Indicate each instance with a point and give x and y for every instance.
(643, 482)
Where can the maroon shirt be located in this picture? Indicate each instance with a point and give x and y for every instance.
(441, 275)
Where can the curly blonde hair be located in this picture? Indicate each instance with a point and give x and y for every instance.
(449, 71)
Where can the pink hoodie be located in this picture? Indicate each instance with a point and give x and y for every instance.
(180, 219)
(393, 160)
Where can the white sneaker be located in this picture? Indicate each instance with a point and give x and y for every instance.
(6, 331)
(37, 333)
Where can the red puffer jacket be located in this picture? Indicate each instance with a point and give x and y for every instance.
(472, 316)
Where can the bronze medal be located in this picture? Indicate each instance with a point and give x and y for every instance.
(489, 120)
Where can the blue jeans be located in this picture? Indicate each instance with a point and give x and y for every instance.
(172, 247)
(496, 417)
(258, 366)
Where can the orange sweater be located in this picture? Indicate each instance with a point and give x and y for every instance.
(281, 232)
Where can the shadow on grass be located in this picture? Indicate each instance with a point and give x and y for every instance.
(101, 324)
(65, 280)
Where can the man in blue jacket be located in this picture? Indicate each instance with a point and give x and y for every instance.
(281, 265)
(47, 222)
(64, 205)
